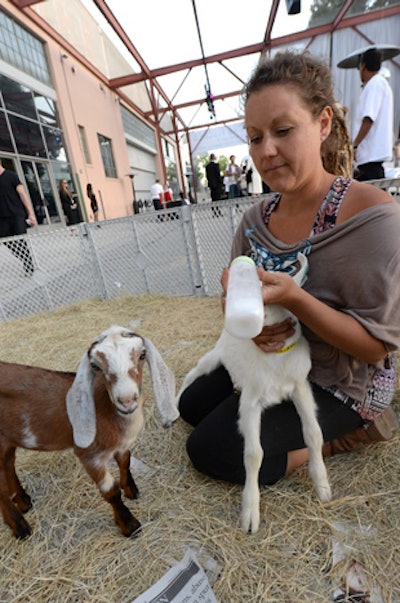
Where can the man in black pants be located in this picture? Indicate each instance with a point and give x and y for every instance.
(213, 174)
(15, 209)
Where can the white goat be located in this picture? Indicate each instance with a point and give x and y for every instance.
(98, 411)
(266, 379)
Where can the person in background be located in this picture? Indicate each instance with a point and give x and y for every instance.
(16, 213)
(349, 306)
(93, 202)
(213, 175)
(157, 192)
(373, 126)
(168, 196)
(253, 179)
(183, 199)
(226, 186)
(234, 174)
(68, 202)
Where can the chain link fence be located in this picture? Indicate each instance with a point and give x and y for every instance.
(179, 251)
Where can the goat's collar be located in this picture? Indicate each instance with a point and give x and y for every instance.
(287, 348)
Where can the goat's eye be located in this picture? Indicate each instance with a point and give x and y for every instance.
(94, 366)
(142, 355)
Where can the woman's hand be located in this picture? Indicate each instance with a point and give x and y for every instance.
(272, 338)
(277, 287)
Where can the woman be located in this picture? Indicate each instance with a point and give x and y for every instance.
(349, 307)
(167, 195)
(68, 203)
(93, 202)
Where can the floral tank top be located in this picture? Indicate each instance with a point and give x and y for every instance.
(383, 385)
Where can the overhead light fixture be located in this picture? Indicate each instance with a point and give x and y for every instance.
(293, 7)
(210, 101)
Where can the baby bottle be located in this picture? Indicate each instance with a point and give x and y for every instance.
(244, 308)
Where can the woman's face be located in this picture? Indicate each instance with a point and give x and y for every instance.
(284, 138)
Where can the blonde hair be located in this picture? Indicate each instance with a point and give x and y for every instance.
(312, 78)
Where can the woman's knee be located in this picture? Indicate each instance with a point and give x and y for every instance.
(203, 395)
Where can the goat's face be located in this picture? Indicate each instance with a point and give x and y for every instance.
(119, 355)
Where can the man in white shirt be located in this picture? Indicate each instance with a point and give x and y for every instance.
(373, 126)
(233, 172)
(157, 193)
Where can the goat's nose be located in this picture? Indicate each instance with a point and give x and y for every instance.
(128, 405)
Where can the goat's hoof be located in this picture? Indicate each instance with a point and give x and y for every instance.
(22, 502)
(131, 492)
(22, 531)
(250, 524)
(324, 493)
(132, 528)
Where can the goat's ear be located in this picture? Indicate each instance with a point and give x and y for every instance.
(301, 275)
(163, 381)
(80, 404)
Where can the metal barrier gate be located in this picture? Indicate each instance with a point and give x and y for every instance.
(179, 251)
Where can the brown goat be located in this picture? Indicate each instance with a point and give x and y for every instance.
(98, 411)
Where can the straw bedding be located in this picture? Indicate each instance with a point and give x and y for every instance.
(76, 553)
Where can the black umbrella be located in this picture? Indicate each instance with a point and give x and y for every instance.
(353, 59)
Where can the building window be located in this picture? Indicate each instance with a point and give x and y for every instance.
(5, 137)
(22, 50)
(84, 145)
(107, 156)
(47, 111)
(138, 129)
(28, 136)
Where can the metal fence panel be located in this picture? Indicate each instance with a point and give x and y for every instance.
(180, 251)
(214, 226)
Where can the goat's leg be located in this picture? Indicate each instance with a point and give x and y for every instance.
(11, 515)
(111, 492)
(249, 425)
(303, 400)
(18, 495)
(127, 482)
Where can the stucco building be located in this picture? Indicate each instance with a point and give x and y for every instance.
(59, 119)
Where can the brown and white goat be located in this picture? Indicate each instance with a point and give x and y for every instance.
(98, 411)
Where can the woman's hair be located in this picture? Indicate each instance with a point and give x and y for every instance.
(312, 78)
(89, 189)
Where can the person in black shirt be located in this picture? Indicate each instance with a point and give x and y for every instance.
(16, 212)
(68, 202)
(213, 174)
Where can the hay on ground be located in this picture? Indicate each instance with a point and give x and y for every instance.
(76, 553)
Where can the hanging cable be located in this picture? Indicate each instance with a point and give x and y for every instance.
(207, 86)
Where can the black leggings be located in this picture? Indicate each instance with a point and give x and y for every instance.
(215, 446)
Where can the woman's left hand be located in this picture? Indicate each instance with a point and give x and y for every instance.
(272, 338)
